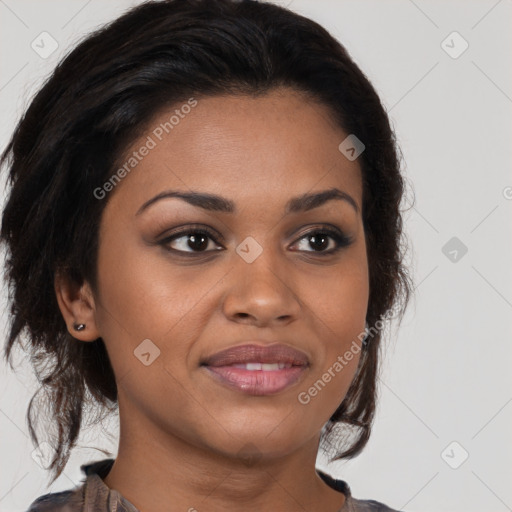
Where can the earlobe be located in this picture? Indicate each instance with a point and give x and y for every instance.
(77, 306)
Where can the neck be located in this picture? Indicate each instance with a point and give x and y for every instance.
(157, 471)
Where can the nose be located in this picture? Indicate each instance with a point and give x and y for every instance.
(261, 293)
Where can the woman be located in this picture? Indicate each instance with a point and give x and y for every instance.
(203, 230)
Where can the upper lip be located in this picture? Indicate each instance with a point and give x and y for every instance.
(252, 353)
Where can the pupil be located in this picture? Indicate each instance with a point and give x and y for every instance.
(194, 241)
(316, 238)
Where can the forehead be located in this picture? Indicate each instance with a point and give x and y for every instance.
(265, 148)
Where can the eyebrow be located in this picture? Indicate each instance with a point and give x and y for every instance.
(212, 202)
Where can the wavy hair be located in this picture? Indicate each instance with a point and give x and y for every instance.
(96, 102)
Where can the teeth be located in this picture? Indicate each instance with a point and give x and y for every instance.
(263, 366)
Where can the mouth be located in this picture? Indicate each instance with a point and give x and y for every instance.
(257, 370)
(258, 354)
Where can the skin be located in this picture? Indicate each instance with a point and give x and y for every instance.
(182, 433)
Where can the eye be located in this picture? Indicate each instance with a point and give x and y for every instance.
(319, 240)
(191, 240)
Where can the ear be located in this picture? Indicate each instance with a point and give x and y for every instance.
(76, 303)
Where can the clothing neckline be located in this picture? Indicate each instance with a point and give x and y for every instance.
(98, 470)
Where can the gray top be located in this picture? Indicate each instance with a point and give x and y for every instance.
(93, 495)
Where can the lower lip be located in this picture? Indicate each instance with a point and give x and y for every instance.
(257, 382)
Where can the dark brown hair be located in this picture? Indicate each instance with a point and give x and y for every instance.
(96, 102)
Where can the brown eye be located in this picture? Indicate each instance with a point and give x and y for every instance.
(321, 239)
(191, 240)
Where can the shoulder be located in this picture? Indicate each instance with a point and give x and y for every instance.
(64, 501)
(73, 500)
(353, 504)
(369, 506)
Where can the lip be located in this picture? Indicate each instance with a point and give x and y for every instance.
(257, 382)
(253, 353)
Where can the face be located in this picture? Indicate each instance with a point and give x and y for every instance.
(169, 297)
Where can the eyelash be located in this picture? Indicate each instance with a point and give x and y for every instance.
(340, 239)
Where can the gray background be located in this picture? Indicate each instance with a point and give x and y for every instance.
(445, 388)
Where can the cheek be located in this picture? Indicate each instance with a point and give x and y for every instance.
(340, 298)
(339, 306)
(145, 297)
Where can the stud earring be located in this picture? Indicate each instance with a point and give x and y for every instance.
(79, 327)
